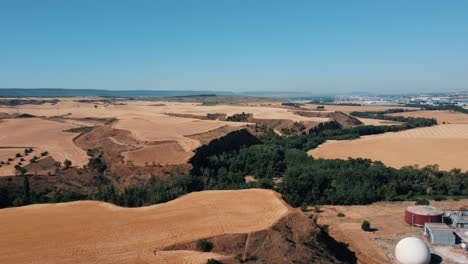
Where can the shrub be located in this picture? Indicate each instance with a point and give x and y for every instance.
(317, 209)
(18, 201)
(244, 117)
(204, 245)
(340, 214)
(304, 207)
(18, 155)
(67, 163)
(323, 228)
(213, 261)
(422, 202)
(22, 159)
(439, 198)
(45, 153)
(366, 226)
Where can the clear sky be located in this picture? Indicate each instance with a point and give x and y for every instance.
(237, 45)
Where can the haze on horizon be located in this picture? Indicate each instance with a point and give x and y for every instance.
(311, 46)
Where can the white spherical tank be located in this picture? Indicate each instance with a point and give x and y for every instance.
(412, 250)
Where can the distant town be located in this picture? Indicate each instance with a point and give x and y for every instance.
(454, 99)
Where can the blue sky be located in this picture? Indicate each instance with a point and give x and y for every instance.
(248, 45)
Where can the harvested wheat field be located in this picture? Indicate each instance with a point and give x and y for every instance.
(6, 153)
(149, 110)
(97, 232)
(262, 112)
(41, 135)
(388, 220)
(447, 117)
(165, 153)
(170, 128)
(445, 145)
(149, 122)
(360, 108)
(378, 122)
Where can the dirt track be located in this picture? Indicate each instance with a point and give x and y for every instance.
(445, 145)
(97, 232)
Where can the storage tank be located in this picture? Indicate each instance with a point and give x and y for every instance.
(418, 215)
(412, 250)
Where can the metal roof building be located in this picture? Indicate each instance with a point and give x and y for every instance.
(439, 233)
(459, 221)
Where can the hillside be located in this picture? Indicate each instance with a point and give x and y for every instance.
(250, 222)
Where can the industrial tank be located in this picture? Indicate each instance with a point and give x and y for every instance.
(418, 215)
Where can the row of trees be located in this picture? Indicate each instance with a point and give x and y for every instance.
(409, 122)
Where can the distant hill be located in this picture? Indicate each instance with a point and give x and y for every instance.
(59, 92)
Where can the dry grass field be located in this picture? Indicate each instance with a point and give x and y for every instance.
(445, 145)
(41, 135)
(388, 220)
(447, 117)
(97, 232)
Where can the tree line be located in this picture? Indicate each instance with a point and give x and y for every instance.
(282, 164)
(446, 107)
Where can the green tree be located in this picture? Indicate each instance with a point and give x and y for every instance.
(213, 261)
(204, 245)
(18, 201)
(422, 202)
(366, 226)
(26, 189)
(67, 163)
